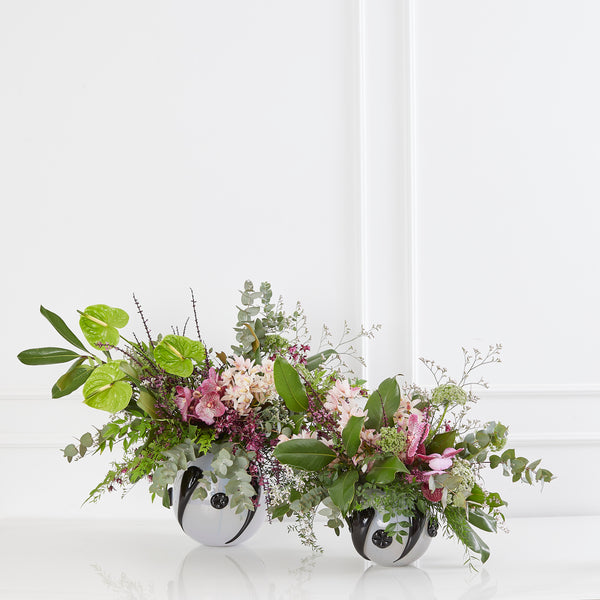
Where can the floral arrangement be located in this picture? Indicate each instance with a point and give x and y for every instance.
(303, 427)
(398, 450)
(172, 400)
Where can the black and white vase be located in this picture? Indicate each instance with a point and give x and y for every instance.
(212, 521)
(373, 543)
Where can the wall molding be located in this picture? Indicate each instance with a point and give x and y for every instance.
(385, 131)
(551, 391)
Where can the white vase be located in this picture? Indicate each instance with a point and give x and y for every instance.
(212, 521)
(370, 540)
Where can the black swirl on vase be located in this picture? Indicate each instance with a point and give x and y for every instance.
(250, 514)
(371, 541)
(189, 482)
(211, 521)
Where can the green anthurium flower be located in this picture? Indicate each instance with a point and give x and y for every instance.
(105, 388)
(174, 353)
(100, 324)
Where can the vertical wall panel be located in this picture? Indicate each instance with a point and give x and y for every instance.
(508, 223)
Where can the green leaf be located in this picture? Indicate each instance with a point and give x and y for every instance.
(384, 401)
(481, 519)
(500, 430)
(477, 495)
(351, 435)
(105, 389)
(316, 360)
(495, 460)
(146, 402)
(174, 353)
(533, 466)
(475, 543)
(481, 456)
(86, 440)
(441, 441)
(70, 452)
(483, 438)
(508, 454)
(384, 470)
(343, 489)
(73, 379)
(289, 386)
(278, 512)
(46, 356)
(310, 455)
(518, 464)
(100, 324)
(62, 328)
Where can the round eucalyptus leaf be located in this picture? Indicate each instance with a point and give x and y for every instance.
(100, 324)
(105, 389)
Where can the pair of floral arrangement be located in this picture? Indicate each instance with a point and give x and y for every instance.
(301, 425)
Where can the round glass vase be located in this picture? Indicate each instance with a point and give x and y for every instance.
(212, 521)
(371, 541)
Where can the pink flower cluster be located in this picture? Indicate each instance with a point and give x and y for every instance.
(204, 402)
(246, 383)
(341, 401)
(238, 387)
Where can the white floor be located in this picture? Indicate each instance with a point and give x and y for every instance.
(544, 558)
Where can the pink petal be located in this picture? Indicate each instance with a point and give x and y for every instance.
(428, 457)
(450, 452)
(205, 414)
(440, 464)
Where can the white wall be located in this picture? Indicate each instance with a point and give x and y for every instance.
(507, 141)
(151, 147)
(425, 165)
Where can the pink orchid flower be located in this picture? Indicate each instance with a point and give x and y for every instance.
(183, 401)
(209, 407)
(211, 385)
(438, 463)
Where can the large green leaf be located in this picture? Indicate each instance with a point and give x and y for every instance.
(100, 324)
(481, 519)
(441, 441)
(310, 455)
(146, 402)
(105, 389)
(475, 543)
(316, 360)
(289, 386)
(73, 379)
(62, 328)
(385, 400)
(46, 356)
(351, 435)
(174, 353)
(384, 470)
(342, 490)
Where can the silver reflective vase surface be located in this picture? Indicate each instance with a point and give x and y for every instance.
(212, 521)
(370, 540)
